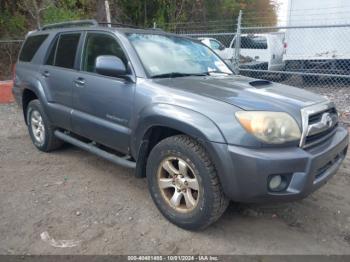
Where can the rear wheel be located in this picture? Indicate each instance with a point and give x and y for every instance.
(40, 129)
(184, 184)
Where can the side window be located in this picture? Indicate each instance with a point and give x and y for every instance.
(100, 44)
(245, 43)
(51, 58)
(67, 50)
(254, 42)
(215, 44)
(31, 46)
(259, 42)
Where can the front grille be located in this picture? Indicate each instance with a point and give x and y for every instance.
(313, 139)
(314, 119)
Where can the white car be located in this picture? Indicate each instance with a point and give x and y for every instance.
(225, 53)
(264, 50)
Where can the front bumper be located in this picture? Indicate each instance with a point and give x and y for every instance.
(244, 172)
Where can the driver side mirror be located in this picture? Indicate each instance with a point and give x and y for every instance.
(110, 66)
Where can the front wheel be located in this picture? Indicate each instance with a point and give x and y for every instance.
(184, 184)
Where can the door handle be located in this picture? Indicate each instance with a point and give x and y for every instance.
(79, 82)
(46, 74)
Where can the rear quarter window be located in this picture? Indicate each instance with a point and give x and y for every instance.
(31, 47)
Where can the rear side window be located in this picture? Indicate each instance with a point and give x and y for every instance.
(31, 46)
(66, 50)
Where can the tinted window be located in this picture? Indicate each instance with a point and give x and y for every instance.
(254, 42)
(66, 50)
(51, 58)
(31, 46)
(97, 45)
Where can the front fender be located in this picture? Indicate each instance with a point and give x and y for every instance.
(184, 120)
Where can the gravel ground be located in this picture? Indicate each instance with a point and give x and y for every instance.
(104, 209)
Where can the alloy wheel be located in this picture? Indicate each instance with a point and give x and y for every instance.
(178, 184)
(38, 127)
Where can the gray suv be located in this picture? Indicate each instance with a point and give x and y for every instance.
(170, 108)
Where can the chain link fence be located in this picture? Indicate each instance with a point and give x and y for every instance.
(223, 31)
(9, 50)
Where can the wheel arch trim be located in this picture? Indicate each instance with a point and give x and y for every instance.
(183, 120)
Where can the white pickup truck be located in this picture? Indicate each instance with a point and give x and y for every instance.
(257, 51)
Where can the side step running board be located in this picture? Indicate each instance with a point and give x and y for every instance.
(95, 150)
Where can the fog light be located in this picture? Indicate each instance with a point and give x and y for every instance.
(275, 183)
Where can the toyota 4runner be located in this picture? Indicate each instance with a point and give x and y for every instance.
(170, 108)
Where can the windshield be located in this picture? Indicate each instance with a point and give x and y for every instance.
(172, 56)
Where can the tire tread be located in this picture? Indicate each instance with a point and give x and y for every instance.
(220, 200)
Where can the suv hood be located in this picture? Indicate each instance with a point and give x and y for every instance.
(246, 93)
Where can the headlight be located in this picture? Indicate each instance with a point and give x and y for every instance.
(270, 127)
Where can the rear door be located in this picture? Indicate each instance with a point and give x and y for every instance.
(59, 72)
(102, 104)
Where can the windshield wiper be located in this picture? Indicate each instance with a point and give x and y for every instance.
(216, 72)
(178, 74)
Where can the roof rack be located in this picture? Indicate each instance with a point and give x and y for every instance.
(70, 24)
(130, 26)
(119, 25)
(91, 22)
(156, 29)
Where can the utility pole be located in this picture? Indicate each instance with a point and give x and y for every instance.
(145, 10)
(238, 43)
(108, 13)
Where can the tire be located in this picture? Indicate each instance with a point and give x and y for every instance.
(44, 140)
(207, 204)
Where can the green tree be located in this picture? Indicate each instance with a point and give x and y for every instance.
(64, 10)
(19, 16)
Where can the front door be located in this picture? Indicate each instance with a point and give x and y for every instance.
(102, 105)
